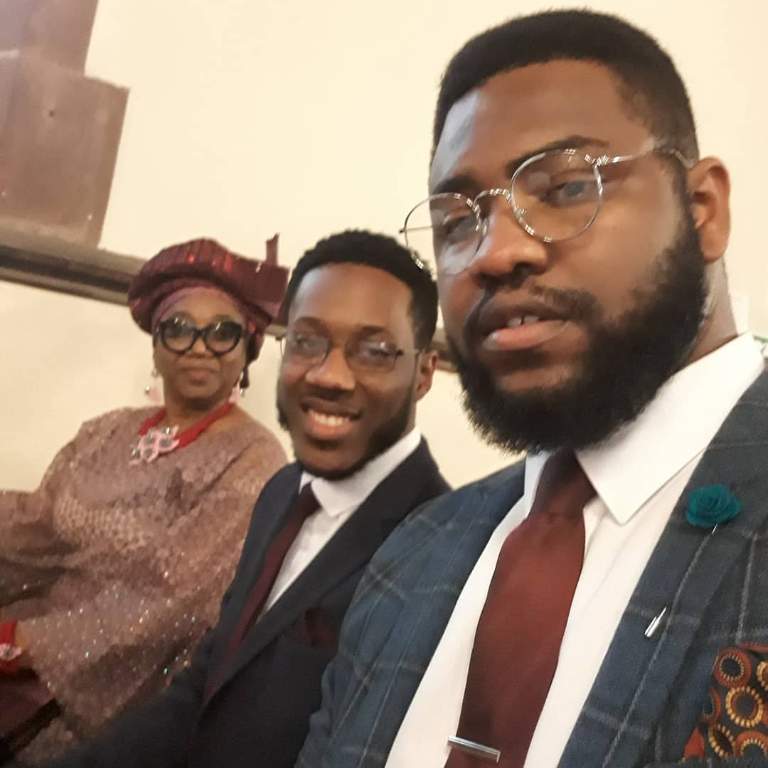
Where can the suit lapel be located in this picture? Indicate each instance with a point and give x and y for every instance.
(688, 564)
(350, 549)
(268, 517)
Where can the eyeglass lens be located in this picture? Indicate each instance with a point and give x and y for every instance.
(556, 196)
(179, 335)
(365, 355)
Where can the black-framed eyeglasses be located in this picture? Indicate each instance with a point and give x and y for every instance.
(363, 355)
(555, 195)
(179, 335)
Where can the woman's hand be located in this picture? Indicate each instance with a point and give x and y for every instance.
(22, 641)
(15, 647)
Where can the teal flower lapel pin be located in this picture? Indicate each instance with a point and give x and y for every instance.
(708, 507)
(712, 505)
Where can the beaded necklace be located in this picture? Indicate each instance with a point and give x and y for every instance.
(155, 441)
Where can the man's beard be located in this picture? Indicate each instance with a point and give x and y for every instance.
(625, 365)
(384, 437)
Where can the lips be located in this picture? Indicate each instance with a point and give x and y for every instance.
(326, 420)
(198, 375)
(508, 325)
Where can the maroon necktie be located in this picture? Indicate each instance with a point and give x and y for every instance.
(518, 637)
(306, 504)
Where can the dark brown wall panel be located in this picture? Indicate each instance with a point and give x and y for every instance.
(59, 138)
(59, 29)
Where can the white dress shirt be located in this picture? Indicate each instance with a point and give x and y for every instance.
(338, 501)
(638, 474)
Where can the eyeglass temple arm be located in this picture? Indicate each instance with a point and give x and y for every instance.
(604, 160)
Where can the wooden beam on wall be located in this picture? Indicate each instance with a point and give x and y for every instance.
(54, 264)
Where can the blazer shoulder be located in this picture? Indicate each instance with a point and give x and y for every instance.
(448, 513)
(414, 481)
(287, 475)
(423, 468)
(446, 505)
(277, 490)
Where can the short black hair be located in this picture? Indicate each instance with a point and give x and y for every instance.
(380, 252)
(649, 83)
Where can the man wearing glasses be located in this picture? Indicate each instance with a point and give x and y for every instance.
(361, 311)
(603, 602)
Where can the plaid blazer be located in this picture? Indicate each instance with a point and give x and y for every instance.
(648, 695)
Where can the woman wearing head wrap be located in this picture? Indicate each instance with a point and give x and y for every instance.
(113, 569)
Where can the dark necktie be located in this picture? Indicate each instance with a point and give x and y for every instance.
(306, 504)
(521, 627)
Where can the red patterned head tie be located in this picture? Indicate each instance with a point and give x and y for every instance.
(257, 287)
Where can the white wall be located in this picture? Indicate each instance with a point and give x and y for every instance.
(248, 118)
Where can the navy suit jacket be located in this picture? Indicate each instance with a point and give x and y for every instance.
(649, 693)
(253, 709)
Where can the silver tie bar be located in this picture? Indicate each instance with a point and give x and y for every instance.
(475, 749)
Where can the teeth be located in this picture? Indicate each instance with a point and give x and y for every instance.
(516, 322)
(329, 420)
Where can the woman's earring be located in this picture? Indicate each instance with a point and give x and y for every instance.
(245, 382)
(238, 391)
(152, 390)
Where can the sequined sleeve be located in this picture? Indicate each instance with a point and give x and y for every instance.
(29, 543)
(121, 633)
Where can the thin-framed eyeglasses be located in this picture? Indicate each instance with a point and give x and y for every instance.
(555, 195)
(363, 355)
(179, 335)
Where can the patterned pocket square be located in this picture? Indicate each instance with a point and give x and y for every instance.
(734, 722)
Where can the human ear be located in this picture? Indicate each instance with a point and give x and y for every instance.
(708, 192)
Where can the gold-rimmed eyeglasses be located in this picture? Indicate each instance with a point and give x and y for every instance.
(555, 195)
(363, 355)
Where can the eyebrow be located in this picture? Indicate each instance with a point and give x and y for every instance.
(371, 330)
(360, 330)
(464, 182)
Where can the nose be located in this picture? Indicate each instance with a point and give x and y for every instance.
(333, 372)
(506, 249)
(199, 348)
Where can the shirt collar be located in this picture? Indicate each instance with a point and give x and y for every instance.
(632, 465)
(339, 496)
